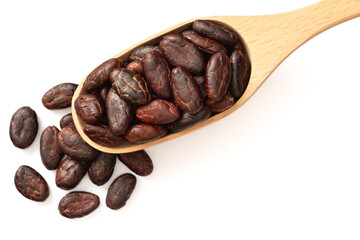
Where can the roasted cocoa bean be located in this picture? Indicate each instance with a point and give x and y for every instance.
(181, 52)
(186, 91)
(66, 120)
(69, 173)
(120, 191)
(78, 204)
(102, 168)
(139, 162)
(101, 134)
(118, 111)
(157, 74)
(215, 31)
(23, 127)
(50, 153)
(206, 44)
(158, 111)
(71, 143)
(201, 82)
(140, 133)
(31, 184)
(59, 96)
(240, 69)
(217, 76)
(226, 102)
(188, 120)
(100, 75)
(130, 86)
(139, 53)
(136, 67)
(89, 107)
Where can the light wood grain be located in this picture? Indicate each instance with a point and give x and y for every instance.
(269, 40)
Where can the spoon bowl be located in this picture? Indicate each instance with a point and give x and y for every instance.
(268, 40)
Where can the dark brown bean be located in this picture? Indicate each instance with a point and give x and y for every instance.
(50, 153)
(104, 91)
(157, 74)
(102, 168)
(131, 87)
(215, 31)
(31, 184)
(181, 52)
(118, 111)
(89, 107)
(100, 75)
(78, 204)
(158, 111)
(101, 134)
(71, 143)
(66, 120)
(222, 105)
(206, 44)
(140, 133)
(139, 162)
(139, 53)
(136, 67)
(23, 127)
(120, 191)
(187, 120)
(217, 76)
(240, 69)
(186, 91)
(70, 172)
(59, 96)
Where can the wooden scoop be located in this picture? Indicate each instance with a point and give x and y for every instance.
(268, 39)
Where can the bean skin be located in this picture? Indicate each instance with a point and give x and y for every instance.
(89, 107)
(186, 91)
(101, 134)
(158, 111)
(50, 153)
(240, 69)
(59, 96)
(188, 120)
(139, 162)
(226, 102)
(215, 31)
(78, 204)
(141, 133)
(31, 184)
(120, 191)
(66, 120)
(102, 168)
(69, 173)
(206, 44)
(217, 76)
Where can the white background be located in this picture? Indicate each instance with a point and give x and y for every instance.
(286, 165)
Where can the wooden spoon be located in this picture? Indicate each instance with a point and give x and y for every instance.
(268, 39)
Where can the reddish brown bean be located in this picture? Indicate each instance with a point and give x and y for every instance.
(118, 111)
(66, 120)
(206, 44)
(141, 133)
(139, 162)
(240, 69)
(217, 76)
(139, 53)
(120, 191)
(69, 173)
(101, 134)
(131, 87)
(23, 127)
(215, 31)
(226, 102)
(71, 143)
(104, 91)
(78, 204)
(201, 82)
(59, 96)
(188, 120)
(181, 52)
(157, 74)
(186, 91)
(89, 107)
(50, 153)
(158, 111)
(102, 168)
(31, 184)
(100, 75)
(136, 67)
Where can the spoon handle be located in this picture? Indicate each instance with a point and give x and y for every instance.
(271, 38)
